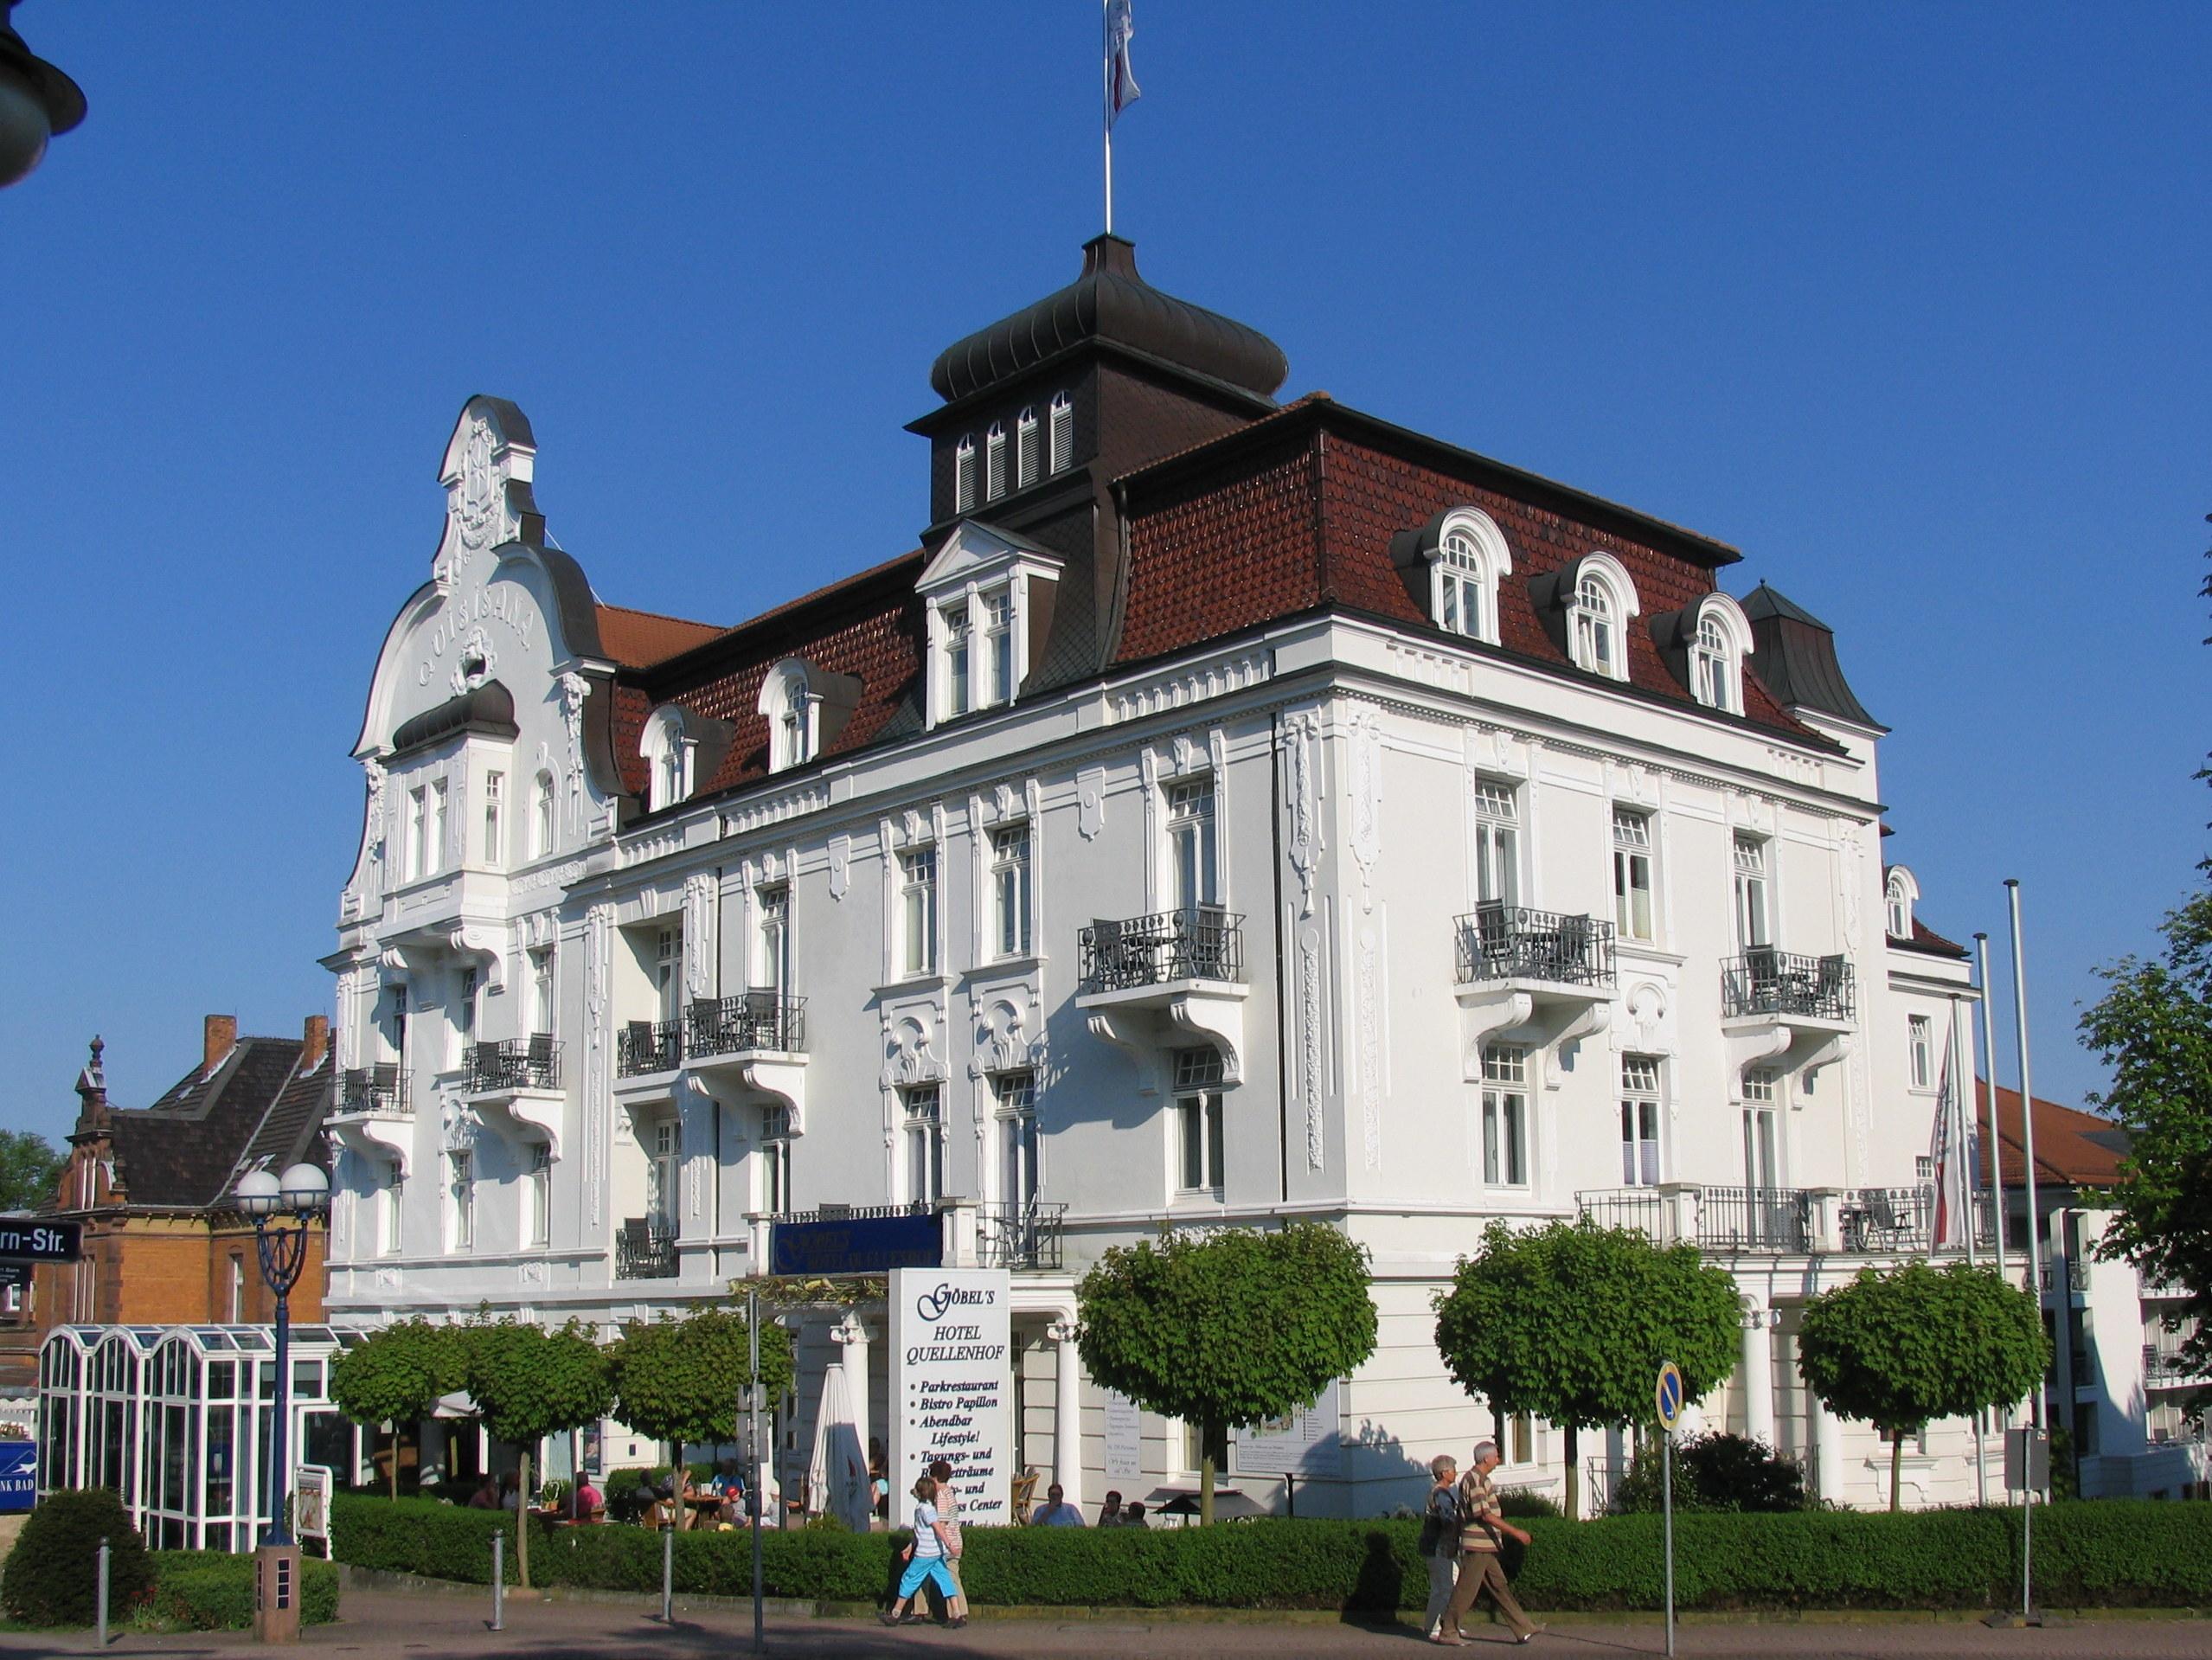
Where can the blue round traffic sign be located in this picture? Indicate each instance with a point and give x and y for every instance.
(1668, 1394)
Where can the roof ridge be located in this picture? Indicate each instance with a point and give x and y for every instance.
(657, 616)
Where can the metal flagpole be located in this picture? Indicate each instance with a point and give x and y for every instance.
(1106, 103)
(2034, 1234)
(1963, 1153)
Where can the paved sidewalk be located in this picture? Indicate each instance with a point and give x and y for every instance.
(400, 1624)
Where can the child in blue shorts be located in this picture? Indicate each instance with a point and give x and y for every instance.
(924, 1557)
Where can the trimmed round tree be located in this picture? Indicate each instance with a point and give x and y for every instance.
(1571, 1322)
(396, 1376)
(529, 1383)
(1228, 1328)
(52, 1576)
(1900, 1349)
(682, 1381)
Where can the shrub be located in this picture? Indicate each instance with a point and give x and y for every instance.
(1526, 1501)
(1714, 1472)
(53, 1575)
(213, 1590)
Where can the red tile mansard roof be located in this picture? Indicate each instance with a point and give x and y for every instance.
(637, 639)
(2072, 1148)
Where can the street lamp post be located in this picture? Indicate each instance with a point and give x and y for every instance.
(303, 1193)
(36, 101)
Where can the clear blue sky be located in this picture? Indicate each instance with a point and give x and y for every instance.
(1909, 303)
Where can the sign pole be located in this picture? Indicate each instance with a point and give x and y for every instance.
(1668, 1395)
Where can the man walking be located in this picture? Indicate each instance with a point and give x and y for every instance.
(1481, 1525)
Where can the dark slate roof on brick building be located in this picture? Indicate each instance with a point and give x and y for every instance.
(291, 1131)
(179, 1153)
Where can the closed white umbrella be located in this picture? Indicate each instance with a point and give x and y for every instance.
(836, 1476)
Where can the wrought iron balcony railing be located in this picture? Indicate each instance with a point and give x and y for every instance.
(857, 1213)
(753, 1020)
(1764, 981)
(1755, 1218)
(1019, 1236)
(2077, 1275)
(1198, 943)
(380, 1090)
(645, 1046)
(1641, 1210)
(2164, 1365)
(645, 1249)
(1511, 942)
(532, 1062)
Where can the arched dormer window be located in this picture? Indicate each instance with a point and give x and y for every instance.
(994, 462)
(806, 708)
(1718, 640)
(1470, 558)
(1903, 893)
(668, 749)
(1063, 432)
(1025, 449)
(1598, 612)
(963, 475)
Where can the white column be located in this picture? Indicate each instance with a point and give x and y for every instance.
(1757, 1372)
(850, 1334)
(1067, 1413)
(1826, 1436)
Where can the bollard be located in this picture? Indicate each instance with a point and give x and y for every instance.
(500, 1581)
(668, 1576)
(100, 1634)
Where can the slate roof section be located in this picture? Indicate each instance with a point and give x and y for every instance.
(291, 1131)
(1796, 657)
(2072, 1148)
(179, 1153)
(489, 708)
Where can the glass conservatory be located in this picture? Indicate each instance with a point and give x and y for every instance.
(177, 1420)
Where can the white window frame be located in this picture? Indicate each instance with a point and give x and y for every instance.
(994, 462)
(1011, 890)
(771, 938)
(793, 711)
(1497, 849)
(996, 684)
(963, 475)
(664, 1175)
(1762, 1144)
(920, 937)
(1199, 1124)
(391, 1210)
(668, 971)
(1193, 822)
(1643, 1115)
(418, 820)
(433, 841)
(1469, 561)
(1503, 1152)
(545, 815)
(544, 991)
(495, 804)
(1752, 887)
(980, 593)
(1900, 893)
(1920, 1051)
(238, 1289)
(1020, 1149)
(1598, 612)
(460, 1199)
(1717, 639)
(671, 750)
(921, 1116)
(468, 1003)
(537, 1196)
(1635, 888)
(1025, 448)
(774, 1184)
(957, 632)
(1063, 432)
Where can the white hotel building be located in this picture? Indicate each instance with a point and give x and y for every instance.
(1231, 812)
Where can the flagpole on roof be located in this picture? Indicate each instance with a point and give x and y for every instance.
(2027, 1116)
(1105, 99)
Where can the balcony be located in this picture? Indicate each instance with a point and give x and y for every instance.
(2077, 1275)
(1538, 977)
(377, 1091)
(645, 1249)
(1019, 1236)
(755, 1042)
(644, 1045)
(1755, 1218)
(532, 1062)
(2165, 1367)
(1786, 1013)
(1816, 1221)
(1150, 982)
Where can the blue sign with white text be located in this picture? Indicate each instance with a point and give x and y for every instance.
(856, 1244)
(18, 1475)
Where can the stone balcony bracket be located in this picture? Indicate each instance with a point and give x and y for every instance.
(1148, 1020)
(1546, 1017)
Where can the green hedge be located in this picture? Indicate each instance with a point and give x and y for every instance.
(213, 1590)
(2106, 1554)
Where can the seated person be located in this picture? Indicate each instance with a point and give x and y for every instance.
(1110, 1511)
(1134, 1515)
(1056, 1511)
(586, 1503)
(486, 1496)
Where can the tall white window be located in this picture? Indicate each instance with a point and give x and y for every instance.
(465, 1012)
(1632, 872)
(418, 825)
(1761, 1162)
(1639, 1120)
(924, 1145)
(1597, 629)
(956, 658)
(918, 911)
(538, 1197)
(663, 1177)
(668, 971)
(775, 1161)
(460, 1199)
(1753, 925)
(1063, 432)
(998, 647)
(1898, 903)
(1009, 890)
(772, 953)
(1920, 1050)
(1497, 844)
(1200, 1137)
(1505, 1115)
(963, 475)
(541, 1005)
(434, 837)
(541, 801)
(391, 1206)
(1462, 603)
(1025, 449)
(1013, 1095)
(1192, 844)
(994, 462)
(1713, 679)
(495, 804)
(238, 1290)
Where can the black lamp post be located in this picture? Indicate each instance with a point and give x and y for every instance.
(304, 1193)
(36, 101)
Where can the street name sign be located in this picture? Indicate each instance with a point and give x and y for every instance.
(22, 1242)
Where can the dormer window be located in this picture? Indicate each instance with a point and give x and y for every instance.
(989, 599)
(806, 708)
(1471, 556)
(963, 475)
(1063, 432)
(1025, 449)
(994, 462)
(1597, 617)
(669, 750)
(1903, 893)
(1719, 638)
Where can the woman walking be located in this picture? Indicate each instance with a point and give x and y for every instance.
(948, 1520)
(1440, 1541)
(924, 1557)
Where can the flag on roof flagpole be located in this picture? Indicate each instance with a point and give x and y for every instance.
(1943, 1152)
(1120, 83)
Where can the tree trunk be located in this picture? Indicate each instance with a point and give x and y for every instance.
(523, 1521)
(1573, 1478)
(1896, 1466)
(395, 1458)
(1206, 1482)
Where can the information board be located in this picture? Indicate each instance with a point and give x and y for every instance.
(1124, 1442)
(952, 1377)
(1303, 1443)
(18, 1475)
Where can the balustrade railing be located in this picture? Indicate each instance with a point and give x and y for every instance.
(1641, 1210)
(645, 1249)
(380, 1090)
(1755, 1218)
(1019, 1236)
(1198, 943)
(1764, 981)
(532, 1062)
(645, 1046)
(750, 1021)
(1511, 942)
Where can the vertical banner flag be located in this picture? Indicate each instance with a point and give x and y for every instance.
(1121, 81)
(1946, 1227)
